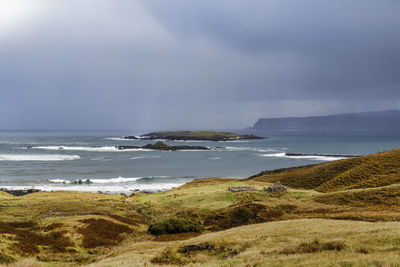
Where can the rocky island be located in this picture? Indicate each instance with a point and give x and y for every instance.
(195, 136)
(164, 147)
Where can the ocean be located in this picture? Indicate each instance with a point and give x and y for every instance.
(89, 161)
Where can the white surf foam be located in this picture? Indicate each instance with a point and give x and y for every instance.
(78, 148)
(97, 181)
(311, 157)
(95, 188)
(43, 157)
(143, 157)
(190, 141)
(243, 148)
(88, 148)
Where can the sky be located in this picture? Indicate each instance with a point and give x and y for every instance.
(183, 64)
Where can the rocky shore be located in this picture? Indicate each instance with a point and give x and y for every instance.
(19, 193)
(164, 147)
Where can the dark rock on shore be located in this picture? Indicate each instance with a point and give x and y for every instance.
(164, 147)
(19, 193)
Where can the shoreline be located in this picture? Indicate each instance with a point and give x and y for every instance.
(19, 190)
(31, 190)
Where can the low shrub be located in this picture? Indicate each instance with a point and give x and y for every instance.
(363, 250)
(5, 259)
(175, 226)
(241, 216)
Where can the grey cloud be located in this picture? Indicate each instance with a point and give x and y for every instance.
(196, 64)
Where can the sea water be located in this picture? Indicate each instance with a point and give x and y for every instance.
(90, 161)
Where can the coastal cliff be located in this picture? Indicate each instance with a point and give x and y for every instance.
(365, 121)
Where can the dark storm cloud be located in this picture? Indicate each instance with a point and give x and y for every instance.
(195, 64)
(327, 47)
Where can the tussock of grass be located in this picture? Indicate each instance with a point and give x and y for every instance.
(5, 259)
(374, 170)
(314, 247)
(168, 256)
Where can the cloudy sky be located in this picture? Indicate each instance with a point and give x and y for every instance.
(156, 64)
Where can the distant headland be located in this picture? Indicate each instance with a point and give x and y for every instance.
(365, 121)
(194, 136)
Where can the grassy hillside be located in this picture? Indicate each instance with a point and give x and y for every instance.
(300, 227)
(286, 243)
(362, 172)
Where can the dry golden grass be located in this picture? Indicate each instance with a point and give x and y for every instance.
(24, 263)
(388, 197)
(374, 170)
(365, 244)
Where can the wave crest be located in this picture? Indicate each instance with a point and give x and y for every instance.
(318, 158)
(43, 157)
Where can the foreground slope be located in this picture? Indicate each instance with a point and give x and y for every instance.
(303, 226)
(312, 242)
(374, 170)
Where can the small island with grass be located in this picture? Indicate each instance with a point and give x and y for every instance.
(163, 147)
(194, 136)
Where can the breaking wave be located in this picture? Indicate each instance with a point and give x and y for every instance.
(43, 157)
(242, 148)
(87, 148)
(97, 181)
(143, 157)
(309, 157)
